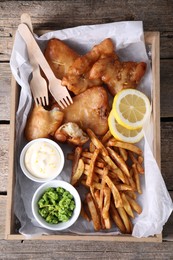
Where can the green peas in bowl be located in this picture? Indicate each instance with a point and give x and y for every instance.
(56, 205)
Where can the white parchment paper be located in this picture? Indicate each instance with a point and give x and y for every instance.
(129, 41)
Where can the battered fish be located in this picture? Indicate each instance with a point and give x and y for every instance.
(89, 110)
(71, 133)
(42, 123)
(59, 56)
(118, 75)
(77, 78)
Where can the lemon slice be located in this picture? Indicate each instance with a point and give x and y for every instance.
(131, 108)
(123, 134)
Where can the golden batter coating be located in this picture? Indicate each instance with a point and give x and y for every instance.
(42, 123)
(77, 78)
(118, 75)
(59, 56)
(90, 109)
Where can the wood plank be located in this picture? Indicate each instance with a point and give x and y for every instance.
(4, 155)
(3, 200)
(5, 90)
(44, 250)
(64, 250)
(166, 45)
(85, 12)
(166, 153)
(6, 42)
(166, 87)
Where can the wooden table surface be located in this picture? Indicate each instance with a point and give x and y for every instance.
(157, 15)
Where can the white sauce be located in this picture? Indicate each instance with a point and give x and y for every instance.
(42, 160)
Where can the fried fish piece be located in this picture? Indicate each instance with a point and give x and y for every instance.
(89, 110)
(71, 133)
(42, 123)
(59, 56)
(118, 75)
(77, 78)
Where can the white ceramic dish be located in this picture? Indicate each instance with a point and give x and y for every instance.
(40, 191)
(58, 157)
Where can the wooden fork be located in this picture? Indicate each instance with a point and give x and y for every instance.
(38, 84)
(59, 92)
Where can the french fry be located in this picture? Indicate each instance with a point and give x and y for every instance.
(137, 179)
(140, 168)
(122, 187)
(93, 212)
(113, 176)
(97, 142)
(109, 161)
(102, 149)
(127, 205)
(132, 184)
(103, 183)
(119, 161)
(91, 147)
(92, 189)
(127, 146)
(134, 160)
(78, 173)
(125, 219)
(95, 185)
(111, 179)
(115, 192)
(106, 137)
(131, 194)
(123, 153)
(126, 179)
(106, 202)
(88, 155)
(140, 159)
(131, 180)
(134, 204)
(97, 198)
(76, 158)
(104, 213)
(96, 169)
(91, 167)
(107, 222)
(116, 218)
(98, 164)
(118, 174)
(95, 177)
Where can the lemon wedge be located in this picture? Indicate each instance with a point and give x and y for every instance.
(131, 108)
(123, 134)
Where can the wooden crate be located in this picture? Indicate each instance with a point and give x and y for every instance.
(152, 40)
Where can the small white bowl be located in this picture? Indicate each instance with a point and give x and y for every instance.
(51, 145)
(54, 184)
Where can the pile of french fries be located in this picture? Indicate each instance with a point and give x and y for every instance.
(110, 170)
